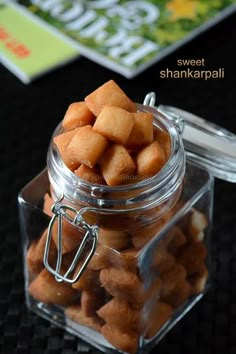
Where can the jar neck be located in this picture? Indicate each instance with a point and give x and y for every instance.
(147, 193)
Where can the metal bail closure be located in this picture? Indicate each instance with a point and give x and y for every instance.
(62, 211)
(178, 121)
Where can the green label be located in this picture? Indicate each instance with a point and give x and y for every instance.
(28, 48)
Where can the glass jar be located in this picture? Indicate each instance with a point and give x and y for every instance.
(119, 266)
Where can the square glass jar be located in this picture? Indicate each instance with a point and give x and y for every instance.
(118, 267)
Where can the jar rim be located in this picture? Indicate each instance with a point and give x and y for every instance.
(61, 176)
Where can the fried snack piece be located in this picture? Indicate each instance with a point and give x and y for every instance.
(118, 313)
(91, 301)
(199, 279)
(77, 115)
(162, 260)
(92, 175)
(47, 205)
(197, 224)
(150, 160)
(71, 236)
(142, 236)
(179, 295)
(126, 285)
(115, 124)
(88, 280)
(35, 253)
(192, 257)
(75, 313)
(163, 138)
(115, 239)
(122, 283)
(101, 258)
(126, 259)
(108, 94)
(86, 147)
(46, 289)
(177, 240)
(62, 141)
(126, 341)
(117, 165)
(142, 132)
(171, 278)
(160, 314)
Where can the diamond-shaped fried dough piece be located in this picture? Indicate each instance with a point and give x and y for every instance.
(109, 94)
(76, 314)
(115, 124)
(179, 295)
(86, 146)
(35, 254)
(127, 341)
(150, 160)
(46, 289)
(117, 165)
(142, 132)
(119, 313)
(192, 256)
(62, 141)
(77, 115)
(115, 239)
(163, 139)
(91, 301)
(71, 236)
(92, 175)
(88, 280)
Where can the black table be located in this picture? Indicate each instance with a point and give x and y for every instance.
(28, 116)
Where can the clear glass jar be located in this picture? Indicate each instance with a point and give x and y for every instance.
(141, 252)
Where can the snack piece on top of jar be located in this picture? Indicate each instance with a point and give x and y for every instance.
(62, 141)
(86, 146)
(142, 131)
(117, 165)
(109, 94)
(105, 120)
(150, 160)
(77, 115)
(115, 124)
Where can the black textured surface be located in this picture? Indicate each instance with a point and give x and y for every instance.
(28, 117)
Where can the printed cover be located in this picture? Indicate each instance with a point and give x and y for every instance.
(129, 36)
(28, 48)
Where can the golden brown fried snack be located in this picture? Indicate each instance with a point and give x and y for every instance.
(119, 313)
(125, 341)
(46, 289)
(109, 94)
(115, 124)
(115, 239)
(142, 132)
(179, 295)
(199, 279)
(86, 146)
(62, 141)
(88, 280)
(75, 313)
(91, 301)
(77, 115)
(171, 278)
(35, 253)
(192, 256)
(71, 236)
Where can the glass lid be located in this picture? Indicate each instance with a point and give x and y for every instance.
(207, 145)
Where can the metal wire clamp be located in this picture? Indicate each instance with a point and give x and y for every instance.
(91, 234)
